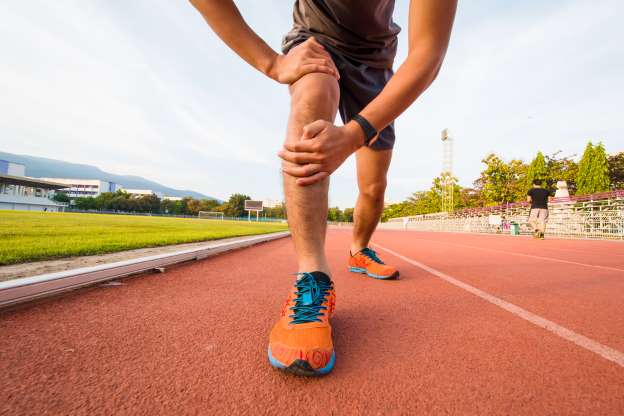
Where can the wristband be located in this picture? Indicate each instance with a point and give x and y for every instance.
(369, 130)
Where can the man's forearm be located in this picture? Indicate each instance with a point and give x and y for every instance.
(226, 21)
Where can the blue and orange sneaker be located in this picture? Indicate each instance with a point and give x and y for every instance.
(301, 341)
(367, 262)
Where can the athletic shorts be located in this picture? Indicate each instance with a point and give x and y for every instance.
(539, 214)
(359, 85)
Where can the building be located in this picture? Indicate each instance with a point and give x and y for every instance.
(272, 203)
(11, 168)
(172, 198)
(80, 188)
(19, 192)
(143, 192)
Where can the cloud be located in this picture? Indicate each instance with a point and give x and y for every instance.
(145, 88)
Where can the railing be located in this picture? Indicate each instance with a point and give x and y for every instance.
(586, 216)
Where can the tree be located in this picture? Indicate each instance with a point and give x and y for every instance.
(537, 170)
(583, 177)
(334, 214)
(561, 169)
(236, 205)
(347, 215)
(616, 170)
(61, 197)
(593, 172)
(498, 181)
(600, 169)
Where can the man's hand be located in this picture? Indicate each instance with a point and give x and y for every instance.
(307, 57)
(321, 150)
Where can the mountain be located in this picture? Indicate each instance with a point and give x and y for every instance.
(40, 167)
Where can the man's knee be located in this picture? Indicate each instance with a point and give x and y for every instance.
(374, 190)
(315, 96)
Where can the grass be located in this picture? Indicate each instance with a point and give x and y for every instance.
(29, 236)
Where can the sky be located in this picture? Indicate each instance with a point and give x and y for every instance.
(144, 87)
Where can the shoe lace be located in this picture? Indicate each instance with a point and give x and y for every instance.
(372, 254)
(310, 298)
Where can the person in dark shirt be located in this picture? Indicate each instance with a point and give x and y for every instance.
(538, 197)
(337, 57)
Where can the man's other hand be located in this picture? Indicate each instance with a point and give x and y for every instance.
(322, 149)
(307, 57)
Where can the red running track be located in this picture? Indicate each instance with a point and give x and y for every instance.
(193, 340)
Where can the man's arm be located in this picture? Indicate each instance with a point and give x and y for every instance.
(226, 21)
(430, 24)
(429, 31)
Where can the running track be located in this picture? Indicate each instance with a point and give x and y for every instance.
(478, 324)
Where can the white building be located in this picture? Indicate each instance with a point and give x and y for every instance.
(272, 203)
(172, 198)
(18, 192)
(143, 192)
(80, 188)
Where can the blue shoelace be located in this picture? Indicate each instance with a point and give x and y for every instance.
(372, 254)
(310, 297)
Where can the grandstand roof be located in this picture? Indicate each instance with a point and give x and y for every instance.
(34, 182)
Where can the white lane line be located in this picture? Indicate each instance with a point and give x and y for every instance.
(512, 253)
(565, 333)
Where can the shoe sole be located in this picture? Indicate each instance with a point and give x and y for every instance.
(394, 275)
(302, 367)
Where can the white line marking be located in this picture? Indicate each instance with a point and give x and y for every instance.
(524, 255)
(565, 333)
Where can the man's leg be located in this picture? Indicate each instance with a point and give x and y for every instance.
(313, 97)
(372, 168)
(301, 341)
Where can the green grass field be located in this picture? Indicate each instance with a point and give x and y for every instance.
(29, 236)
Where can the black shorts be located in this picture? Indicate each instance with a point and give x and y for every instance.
(359, 85)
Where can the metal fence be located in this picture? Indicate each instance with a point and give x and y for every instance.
(589, 216)
(150, 214)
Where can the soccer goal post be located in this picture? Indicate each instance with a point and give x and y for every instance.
(210, 215)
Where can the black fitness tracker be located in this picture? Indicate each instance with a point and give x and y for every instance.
(369, 130)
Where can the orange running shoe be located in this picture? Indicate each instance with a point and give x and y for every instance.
(367, 262)
(301, 341)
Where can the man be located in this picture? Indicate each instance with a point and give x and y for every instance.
(538, 197)
(338, 56)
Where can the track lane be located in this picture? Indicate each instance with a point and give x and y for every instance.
(587, 300)
(193, 341)
(597, 252)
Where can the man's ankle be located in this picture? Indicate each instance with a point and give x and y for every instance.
(356, 249)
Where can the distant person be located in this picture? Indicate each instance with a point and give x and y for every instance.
(337, 57)
(538, 197)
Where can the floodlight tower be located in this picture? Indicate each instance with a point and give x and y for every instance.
(448, 182)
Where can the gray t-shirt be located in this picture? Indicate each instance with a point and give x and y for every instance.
(362, 30)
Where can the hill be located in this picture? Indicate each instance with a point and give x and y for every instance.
(40, 167)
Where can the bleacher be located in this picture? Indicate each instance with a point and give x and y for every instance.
(599, 215)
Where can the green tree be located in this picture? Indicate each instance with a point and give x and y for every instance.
(583, 177)
(236, 205)
(60, 197)
(347, 214)
(496, 182)
(600, 169)
(561, 169)
(334, 214)
(537, 170)
(616, 170)
(85, 203)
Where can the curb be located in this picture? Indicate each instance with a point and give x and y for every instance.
(26, 289)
